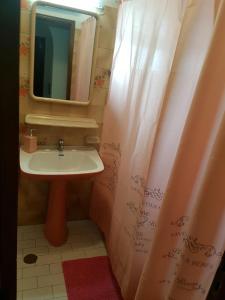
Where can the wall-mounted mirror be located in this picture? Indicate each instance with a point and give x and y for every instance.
(62, 52)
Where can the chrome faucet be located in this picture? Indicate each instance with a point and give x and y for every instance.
(60, 145)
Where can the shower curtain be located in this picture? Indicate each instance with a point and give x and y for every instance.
(80, 86)
(161, 199)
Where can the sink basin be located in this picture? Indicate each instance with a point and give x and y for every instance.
(71, 162)
(58, 168)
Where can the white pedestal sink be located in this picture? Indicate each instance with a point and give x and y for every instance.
(58, 167)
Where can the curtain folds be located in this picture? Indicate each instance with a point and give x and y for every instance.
(160, 201)
(82, 77)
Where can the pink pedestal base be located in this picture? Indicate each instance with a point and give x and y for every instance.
(55, 228)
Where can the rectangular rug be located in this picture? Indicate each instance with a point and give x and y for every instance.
(90, 279)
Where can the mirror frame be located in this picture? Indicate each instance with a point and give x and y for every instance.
(32, 47)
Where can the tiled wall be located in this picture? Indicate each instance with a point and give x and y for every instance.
(33, 195)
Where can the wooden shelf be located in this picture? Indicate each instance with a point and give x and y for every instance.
(60, 121)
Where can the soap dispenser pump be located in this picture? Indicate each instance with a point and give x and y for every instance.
(29, 141)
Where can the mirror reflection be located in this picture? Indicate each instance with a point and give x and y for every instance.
(63, 53)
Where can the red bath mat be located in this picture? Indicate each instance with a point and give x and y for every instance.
(90, 279)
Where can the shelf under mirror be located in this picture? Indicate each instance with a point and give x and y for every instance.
(60, 121)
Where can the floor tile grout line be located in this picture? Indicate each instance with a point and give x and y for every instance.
(87, 231)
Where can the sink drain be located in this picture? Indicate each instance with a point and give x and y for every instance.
(30, 258)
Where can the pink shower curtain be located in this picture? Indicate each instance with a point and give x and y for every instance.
(160, 201)
(80, 86)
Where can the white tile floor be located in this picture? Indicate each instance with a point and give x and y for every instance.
(44, 280)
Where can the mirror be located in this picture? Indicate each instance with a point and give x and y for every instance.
(62, 51)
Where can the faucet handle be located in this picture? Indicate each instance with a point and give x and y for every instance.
(60, 144)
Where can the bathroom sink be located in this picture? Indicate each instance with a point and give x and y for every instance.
(71, 162)
(58, 167)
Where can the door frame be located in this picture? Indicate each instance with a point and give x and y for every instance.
(9, 128)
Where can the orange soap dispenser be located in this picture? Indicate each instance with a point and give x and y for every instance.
(29, 142)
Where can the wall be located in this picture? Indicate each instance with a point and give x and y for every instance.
(33, 194)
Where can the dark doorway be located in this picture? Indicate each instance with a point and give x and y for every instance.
(39, 67)
(9, 122)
